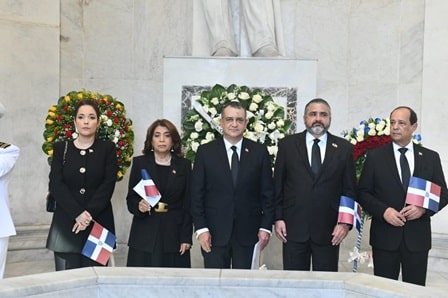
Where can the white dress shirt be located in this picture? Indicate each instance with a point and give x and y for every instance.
(322, 145)
(409, 156)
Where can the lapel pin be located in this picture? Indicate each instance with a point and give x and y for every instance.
(246, 149)
(420, 153)
(174, 172)
(334, 145)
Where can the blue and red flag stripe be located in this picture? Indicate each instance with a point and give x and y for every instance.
(350, 212)
(423, 193)
(151, 190)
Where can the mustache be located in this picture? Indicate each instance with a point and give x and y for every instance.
(317, 122)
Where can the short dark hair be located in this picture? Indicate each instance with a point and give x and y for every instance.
(177, 143)
(316, 100)
(413, 115)
(233, 104)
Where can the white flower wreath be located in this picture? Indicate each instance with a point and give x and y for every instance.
(267, 123)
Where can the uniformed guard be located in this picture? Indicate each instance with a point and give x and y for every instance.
(8, 157)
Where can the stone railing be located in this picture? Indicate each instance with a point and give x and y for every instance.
(165, 282)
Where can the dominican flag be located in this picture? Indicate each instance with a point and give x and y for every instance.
(350, 212)
(423, 193)
(151, 190)
(147, 189)
(100, 244)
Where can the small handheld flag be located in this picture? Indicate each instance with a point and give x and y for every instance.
(423, 193)
(350, 212)
(151, 190)
(99, 244)
(147, 189)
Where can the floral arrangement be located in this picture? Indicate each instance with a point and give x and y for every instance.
(266, 118)
(370, 134)
(115, 126)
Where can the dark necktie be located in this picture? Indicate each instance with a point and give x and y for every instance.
(234, 165)
(315, 157)
(405, 170)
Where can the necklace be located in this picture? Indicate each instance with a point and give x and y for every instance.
(84, 145)
(163, 162)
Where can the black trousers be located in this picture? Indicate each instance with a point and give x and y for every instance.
(300, 256)
(413, 264)
(233, 255)
(139, 258)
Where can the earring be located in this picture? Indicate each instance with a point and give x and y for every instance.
(152, 149)
(172, 149)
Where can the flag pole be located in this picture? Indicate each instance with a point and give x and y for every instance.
(358, 241)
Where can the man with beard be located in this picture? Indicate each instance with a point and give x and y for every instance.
(312, 171)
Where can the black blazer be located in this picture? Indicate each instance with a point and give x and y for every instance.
(380, 187)
(309, 205)
(171, 228)
(223, 208)
(85, 182)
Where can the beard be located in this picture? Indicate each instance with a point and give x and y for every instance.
(317, 128)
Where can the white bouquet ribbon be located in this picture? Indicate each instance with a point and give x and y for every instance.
(197, 106)
(361, 257)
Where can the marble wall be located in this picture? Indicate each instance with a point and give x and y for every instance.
(29, 82)
(372, 56)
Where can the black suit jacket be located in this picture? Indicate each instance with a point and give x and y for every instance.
(223, 208)
(380, 187)
(309, 205)
(170, 228)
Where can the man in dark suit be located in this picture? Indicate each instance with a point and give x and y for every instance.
(400, 234)
(308, 191)
(229, 215)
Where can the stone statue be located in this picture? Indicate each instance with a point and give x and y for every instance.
(258, 18)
